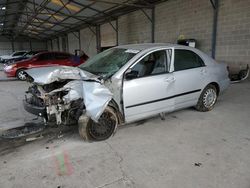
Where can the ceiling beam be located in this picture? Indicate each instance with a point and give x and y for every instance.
(37, 10)
(21, 8)
(144, 5)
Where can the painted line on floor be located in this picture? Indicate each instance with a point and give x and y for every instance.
(63, 165)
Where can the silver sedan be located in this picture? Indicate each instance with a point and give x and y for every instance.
(129, 83)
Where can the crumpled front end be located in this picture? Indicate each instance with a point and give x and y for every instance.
(63, 94)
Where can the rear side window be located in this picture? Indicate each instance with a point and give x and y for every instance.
(44, 57)
(186, 59)
(62, 56)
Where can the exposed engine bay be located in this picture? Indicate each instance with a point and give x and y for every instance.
(61, 95)
(53, 107)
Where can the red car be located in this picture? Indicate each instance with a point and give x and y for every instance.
(43, 59)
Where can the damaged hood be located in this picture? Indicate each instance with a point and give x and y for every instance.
(47, 75)
(84, 85)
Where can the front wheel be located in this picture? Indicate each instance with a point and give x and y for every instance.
(207, 99)
(20, 74)
(101, 130)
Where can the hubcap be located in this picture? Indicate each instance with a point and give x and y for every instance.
(104, 128)
(209, 98)
(21, 75)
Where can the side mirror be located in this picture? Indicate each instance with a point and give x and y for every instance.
(130, 74)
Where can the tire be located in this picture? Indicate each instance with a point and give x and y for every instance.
(207, 99)
(20, 74)
(102, 130)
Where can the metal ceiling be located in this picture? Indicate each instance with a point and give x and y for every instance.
(45, 19)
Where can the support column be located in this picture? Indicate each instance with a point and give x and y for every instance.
(58, 44)
(215, 4)
(12, 45)
(117, 32)
(151, 18)
(79, 39)
(67, 42)
(153, 25)
(51, 45)
(98, 39)
(31, 45)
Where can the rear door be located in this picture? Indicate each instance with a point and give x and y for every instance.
(62, 59)
(190, 75)
(148, 93)
(43, 60)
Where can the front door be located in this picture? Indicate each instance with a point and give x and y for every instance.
(148, 87)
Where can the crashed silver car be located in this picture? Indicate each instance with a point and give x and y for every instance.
(125, 84)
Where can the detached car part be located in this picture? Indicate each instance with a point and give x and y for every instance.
(240, 76)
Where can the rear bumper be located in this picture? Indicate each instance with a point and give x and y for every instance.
(36, 110)
(224, 84)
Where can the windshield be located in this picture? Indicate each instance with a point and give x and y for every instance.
(18, 53)
(107, 63)
(30, 54)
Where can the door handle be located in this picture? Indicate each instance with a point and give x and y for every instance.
(203, 71)
(170, 80)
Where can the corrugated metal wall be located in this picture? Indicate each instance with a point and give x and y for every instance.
(6, 46)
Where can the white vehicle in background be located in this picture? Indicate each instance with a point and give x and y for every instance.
(125, 84)
(17, 54)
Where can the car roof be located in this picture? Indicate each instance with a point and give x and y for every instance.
(50, 52)
(152, 46)
(144, 46)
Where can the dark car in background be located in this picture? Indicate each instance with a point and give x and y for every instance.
(43, 59)
(5, 58)
(27, 55)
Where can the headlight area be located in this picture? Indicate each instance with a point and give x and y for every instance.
(51, 107)
(9, 67)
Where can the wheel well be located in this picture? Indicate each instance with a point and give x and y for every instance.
(216, 86)
(114, 105)
(19, 70)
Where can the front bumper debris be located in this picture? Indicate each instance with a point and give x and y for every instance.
(36, 110)
(59, 102)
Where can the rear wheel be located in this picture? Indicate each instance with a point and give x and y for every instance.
(20, 74)
(101, 130)
(207, 99)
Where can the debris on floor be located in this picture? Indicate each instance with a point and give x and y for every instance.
(34, 138)
(198, 164)
(240, 76)
(27, 129)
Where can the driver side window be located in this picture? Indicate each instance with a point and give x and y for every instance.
(153, 64)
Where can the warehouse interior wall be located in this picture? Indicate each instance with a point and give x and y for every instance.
(5, 48)
(189, 19)
(55, 45)
(233, 36)
(134, 28)
(108, 34)
(73, 42)
(20, 44)
(88, 41)
(180, 19)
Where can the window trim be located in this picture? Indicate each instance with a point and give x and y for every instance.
(146, 54)
(203, 62)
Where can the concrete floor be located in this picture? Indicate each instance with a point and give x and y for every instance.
(189, 149)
